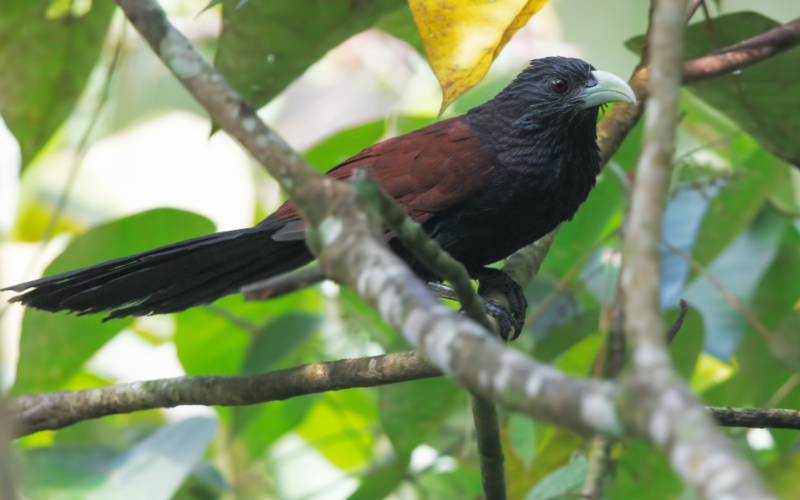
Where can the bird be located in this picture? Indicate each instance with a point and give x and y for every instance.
(483, 185)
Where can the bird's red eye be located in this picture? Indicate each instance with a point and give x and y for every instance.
(558, 86)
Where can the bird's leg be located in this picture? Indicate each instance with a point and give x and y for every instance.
(489, 278)
(505, 322)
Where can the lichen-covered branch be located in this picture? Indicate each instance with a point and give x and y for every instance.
(52, 411)
(663, 408)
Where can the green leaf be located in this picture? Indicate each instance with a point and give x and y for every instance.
(412, 411)
(576, 238)
(276, 339)
(688, 343)
(153, 469)
(265, 45)
(785, 345)
(643, 472)
(47, 52)
(53, 347)
(522, 432)
(339, 426)
(262, 425)
(732, 211)
(381, 481)
(567, 479)
(400, 24)
(339, 147)
(566, 335)
(762, 99)
(269, 345)
(759, 376)
(462, 483)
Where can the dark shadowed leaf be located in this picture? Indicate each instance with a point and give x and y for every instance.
(762, 99)
(53, 347)
(47, 52)
(412, 411)
(566, 335)
(267, 44)
(276, 339)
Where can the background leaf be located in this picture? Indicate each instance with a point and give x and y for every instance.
(53, 347)
(266, 44)
(47, 52)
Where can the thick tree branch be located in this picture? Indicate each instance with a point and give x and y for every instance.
(668, 413)
(52, 411)
(743, 54)
(56, 410)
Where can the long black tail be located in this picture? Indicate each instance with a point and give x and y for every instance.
(168, 279)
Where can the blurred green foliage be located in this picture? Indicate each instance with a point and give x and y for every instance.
(733, 212)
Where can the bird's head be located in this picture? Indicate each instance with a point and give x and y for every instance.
(554, 92)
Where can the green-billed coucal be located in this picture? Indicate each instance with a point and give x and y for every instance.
(483, 185)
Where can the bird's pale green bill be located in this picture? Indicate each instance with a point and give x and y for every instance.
(607, 88)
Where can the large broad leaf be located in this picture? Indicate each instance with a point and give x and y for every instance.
(564, 482)
(452, 485)
(339, 426)
(555, 448)
(266, 44)
(339, 147)
(153, 469)
(738, 270)
(762, 99)
(269, 345)
(412, 411)
(463, 37)
(381, 481)
(643, 472)
(53, 347)
(738, 203)
(47, 51)
(759, 375)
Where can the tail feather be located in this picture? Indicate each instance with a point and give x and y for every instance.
(168, 279)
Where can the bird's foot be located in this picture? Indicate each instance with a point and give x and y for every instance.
(506, 323)
(490, 278)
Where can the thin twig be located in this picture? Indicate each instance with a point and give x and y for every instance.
(676, 327)
(283, 284)
(754, 322)
(693, 8)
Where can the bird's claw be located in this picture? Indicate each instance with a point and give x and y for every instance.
(517, 302)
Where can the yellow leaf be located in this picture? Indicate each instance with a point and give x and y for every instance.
(463, 37)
